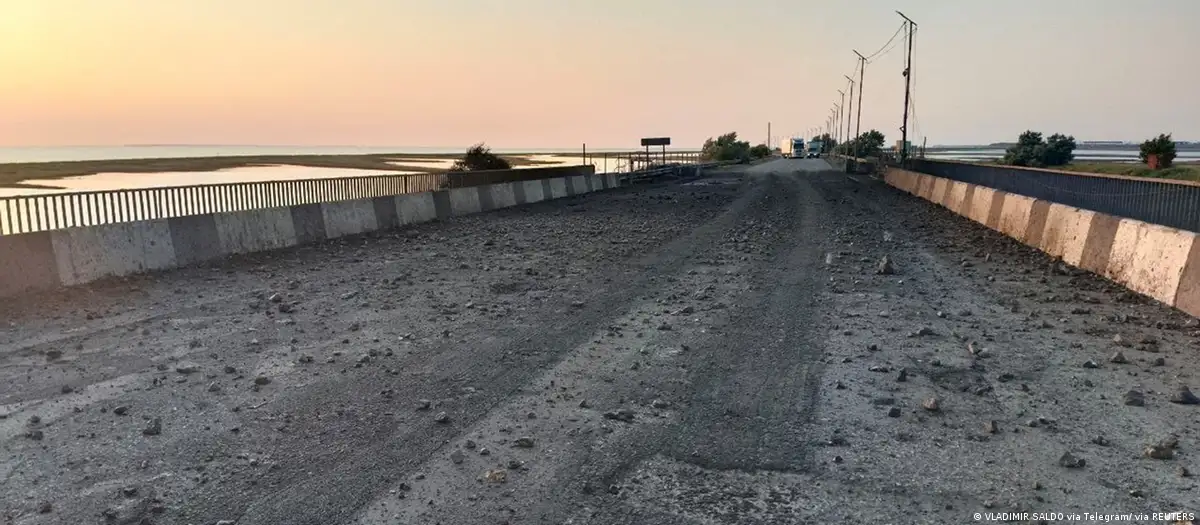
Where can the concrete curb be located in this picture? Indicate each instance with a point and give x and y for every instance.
(1156, 261)
(73, 256)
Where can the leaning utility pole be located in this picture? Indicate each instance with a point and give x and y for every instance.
(862, 72)
(912, 27)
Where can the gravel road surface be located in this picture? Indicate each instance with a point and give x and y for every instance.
(727, 350)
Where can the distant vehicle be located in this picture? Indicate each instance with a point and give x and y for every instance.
(792, 148)
(814, 149)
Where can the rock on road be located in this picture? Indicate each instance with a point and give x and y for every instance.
(718, 351)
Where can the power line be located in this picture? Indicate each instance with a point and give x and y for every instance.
(883, 54)
(889, 42)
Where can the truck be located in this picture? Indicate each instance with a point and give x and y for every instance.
(792, 148)
(815, 149)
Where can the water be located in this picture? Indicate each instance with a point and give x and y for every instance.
(61, 203)
(1082, 155)
(166, 179)
(70, 153)
(121, 181)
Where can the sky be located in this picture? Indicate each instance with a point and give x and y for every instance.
(562, 73)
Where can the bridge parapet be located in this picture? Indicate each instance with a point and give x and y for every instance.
(1155, 260)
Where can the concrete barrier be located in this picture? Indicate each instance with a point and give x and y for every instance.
(27, 262)
(255, 230)
(464, 201)
(533, 191)
(416, 208)
(350, 217)
(579, 185)
(1015, 211)
(558, 189)
(80, 255)
(503, 195)
(1150, 256)
(1159, 262)
(86, 254)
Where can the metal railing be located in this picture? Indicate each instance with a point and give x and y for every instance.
(1160, 201)
(43, 212)
(638, 161)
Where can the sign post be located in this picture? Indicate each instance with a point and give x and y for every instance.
(657, 141)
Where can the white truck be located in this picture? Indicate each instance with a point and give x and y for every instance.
(792, 148)
(814, 149)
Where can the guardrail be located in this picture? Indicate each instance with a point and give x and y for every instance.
(52, 211)
(638, 161)
(1160, 201)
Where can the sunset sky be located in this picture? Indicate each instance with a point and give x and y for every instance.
(557, 73)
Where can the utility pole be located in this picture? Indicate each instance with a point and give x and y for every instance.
(912, 28)
(851, 109)
(840, 112)
(831, 130)
(862, 73)
(836, 136)
(768, 135)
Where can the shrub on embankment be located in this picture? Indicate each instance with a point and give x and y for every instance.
(480, 157)
(1162, 147)
(727, 148)
(868, 144)
(1034, 151)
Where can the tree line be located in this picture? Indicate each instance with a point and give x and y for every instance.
(1032, 150)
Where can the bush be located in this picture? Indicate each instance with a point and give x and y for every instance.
(760, 151)
(1163, 146)
(869, 144)
(1034, 151)
(480, 157)
(725, 148)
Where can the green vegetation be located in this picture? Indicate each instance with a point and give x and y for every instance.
(760, 151)
(1179, 171)
(1161, 146)
(1034, 151)
(480, 157)
(869, 144)
(725, 148)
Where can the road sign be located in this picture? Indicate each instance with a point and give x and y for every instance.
(657, 141)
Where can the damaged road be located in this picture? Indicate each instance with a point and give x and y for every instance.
(729, 350)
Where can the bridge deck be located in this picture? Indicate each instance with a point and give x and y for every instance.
(700, 353)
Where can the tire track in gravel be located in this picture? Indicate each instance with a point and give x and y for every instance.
(346, 482)
(756, 387)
